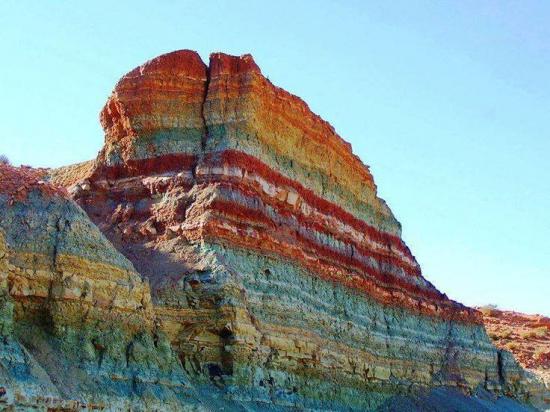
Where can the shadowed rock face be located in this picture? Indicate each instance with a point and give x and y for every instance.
(274, 276)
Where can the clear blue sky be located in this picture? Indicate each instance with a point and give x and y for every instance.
(448, 102)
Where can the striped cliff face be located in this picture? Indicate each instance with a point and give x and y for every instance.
(77, 323)
(155, 111)
(276, 271)
(275, 170)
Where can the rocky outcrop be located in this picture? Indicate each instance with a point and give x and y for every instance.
(276, 271)
(77, 323)
(527, 337)
(260, 267)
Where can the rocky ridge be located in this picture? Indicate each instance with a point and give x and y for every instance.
(260, 267)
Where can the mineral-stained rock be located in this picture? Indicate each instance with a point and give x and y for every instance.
(277, 275)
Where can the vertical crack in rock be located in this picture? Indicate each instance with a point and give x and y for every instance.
(500, 368)
(205, 96)
(56, 240)
(205, 134)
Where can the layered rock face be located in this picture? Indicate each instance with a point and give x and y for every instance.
(269, 273)
(77, 323)
(527, 337)
(276, 272)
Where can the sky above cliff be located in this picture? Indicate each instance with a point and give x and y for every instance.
(448, 102)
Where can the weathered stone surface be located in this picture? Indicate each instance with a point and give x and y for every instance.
(527, 337)
(74, 311)
(268, 273)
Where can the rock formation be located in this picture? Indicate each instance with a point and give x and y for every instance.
(76, 319)
(527, 337)
(260, 267)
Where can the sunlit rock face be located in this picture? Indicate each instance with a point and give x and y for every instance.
(155, 113)
(258, 260)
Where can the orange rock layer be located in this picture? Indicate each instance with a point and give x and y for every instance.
(526, 336)
(16, 183)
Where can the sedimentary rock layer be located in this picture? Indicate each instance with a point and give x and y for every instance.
(277, 273)
(155, 110)
(77, 323)
(527, 337)
(274, 164)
